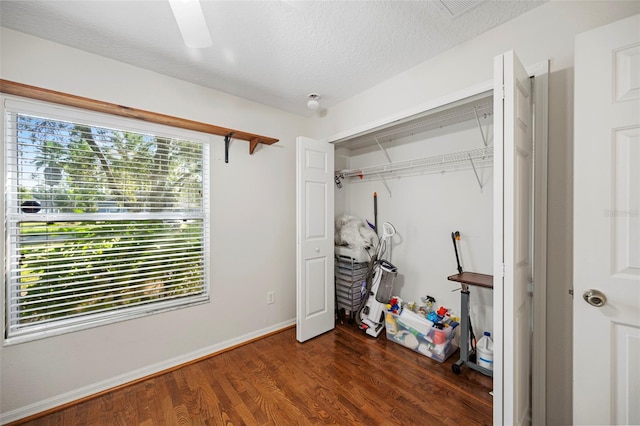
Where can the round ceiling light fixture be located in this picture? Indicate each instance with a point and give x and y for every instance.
(314, 101)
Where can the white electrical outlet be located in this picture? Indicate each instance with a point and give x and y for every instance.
(271, 297)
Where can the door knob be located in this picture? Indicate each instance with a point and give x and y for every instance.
(317, 250)
(595, 298)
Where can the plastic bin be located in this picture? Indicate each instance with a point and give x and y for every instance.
(432, 342)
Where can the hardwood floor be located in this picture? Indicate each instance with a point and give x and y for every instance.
(342, 377)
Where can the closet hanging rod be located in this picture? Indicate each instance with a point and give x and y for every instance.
(439, 162)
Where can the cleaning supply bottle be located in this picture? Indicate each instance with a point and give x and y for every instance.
(484, 349)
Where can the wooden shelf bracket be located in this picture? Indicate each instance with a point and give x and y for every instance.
(252, 144)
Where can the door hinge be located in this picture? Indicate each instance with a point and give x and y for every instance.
(502, 90)
(532, 287)
(571, 292)
(503, 269)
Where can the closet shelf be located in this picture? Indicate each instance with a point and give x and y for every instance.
(440, 163)
(469, 109)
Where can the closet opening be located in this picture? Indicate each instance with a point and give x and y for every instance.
(432, 175)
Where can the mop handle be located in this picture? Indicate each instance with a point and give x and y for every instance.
(454, 237)
(375, 211)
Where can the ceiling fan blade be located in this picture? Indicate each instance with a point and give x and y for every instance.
(190, 19)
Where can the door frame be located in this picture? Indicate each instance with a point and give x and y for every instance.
(540, 73)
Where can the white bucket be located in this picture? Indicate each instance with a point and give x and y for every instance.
(484, 351)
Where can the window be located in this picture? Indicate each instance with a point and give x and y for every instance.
(106, 218)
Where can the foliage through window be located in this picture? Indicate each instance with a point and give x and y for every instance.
(105, 221)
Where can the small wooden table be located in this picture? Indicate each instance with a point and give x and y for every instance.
(467, 279)
(473, 278)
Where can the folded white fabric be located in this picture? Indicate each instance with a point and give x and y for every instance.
(417, 322)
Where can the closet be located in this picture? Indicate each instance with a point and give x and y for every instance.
(463, 163)
(432, 175)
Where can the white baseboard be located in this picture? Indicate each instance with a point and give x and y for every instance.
(85, 391)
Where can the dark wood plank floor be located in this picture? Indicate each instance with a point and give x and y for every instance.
(341, 377)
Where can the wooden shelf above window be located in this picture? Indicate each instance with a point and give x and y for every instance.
(33, 92)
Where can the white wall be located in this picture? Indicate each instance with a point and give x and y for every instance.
(253, 235)
(546, 32)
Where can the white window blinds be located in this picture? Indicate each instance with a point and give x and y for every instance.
(106, 219)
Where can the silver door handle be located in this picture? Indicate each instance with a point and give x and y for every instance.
(595, 298)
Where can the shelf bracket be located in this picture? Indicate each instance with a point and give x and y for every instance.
(475, 171)
(227, 140)
(383, 150)
(386, 185)
(484, 138)
(252, 145)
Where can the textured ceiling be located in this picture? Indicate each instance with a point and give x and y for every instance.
(272, 52)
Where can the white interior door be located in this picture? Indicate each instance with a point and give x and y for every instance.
(315, 299)
(606, 250)
(513, 166)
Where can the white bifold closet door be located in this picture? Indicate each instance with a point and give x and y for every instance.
(315, 289)
(512, 227)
